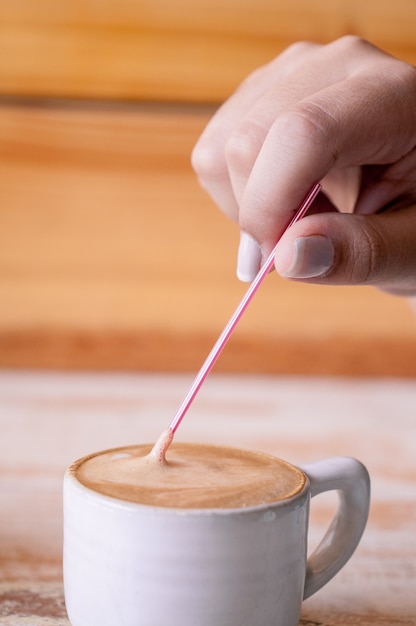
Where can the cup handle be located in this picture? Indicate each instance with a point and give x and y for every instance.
(350, 478)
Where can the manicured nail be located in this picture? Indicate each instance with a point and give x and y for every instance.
(249, 258)
(313, 256)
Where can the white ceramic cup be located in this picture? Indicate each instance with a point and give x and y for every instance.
(128, 564)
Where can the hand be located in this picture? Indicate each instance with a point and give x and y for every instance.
(343, 114)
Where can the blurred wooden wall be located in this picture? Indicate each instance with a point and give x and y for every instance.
(179, 50)
(110, 254)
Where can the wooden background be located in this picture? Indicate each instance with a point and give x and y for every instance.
(175, 49)
(111, 257)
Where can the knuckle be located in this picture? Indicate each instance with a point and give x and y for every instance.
(311, 124)
(351, 45)
(243, 146)
(207, 160)
(297, 50)
(406, 75)
(255, 77)
(369, 257)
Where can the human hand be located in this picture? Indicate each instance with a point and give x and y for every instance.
(343, 114)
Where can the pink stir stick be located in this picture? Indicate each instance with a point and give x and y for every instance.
(226, 333)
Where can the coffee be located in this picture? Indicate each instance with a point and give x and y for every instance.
(191, 476)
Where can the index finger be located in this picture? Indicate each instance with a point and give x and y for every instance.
(356, 121)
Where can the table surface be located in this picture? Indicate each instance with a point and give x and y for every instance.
(49, 419)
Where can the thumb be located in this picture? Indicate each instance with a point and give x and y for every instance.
(351, 249)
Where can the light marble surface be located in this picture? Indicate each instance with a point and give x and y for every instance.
(48, 420)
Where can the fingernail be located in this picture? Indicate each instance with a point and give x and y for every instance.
(313, 256)
(249, 258)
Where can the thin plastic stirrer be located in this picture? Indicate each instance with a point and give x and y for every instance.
(212, 357)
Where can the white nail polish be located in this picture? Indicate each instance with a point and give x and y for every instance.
(249, 258)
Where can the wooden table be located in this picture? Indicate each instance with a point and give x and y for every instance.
(49, 419)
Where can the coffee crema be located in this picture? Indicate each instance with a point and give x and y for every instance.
(194, 476)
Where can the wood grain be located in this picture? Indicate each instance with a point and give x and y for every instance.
(111, 256)
(175, 49)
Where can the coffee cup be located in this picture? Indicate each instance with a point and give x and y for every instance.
(210, 536)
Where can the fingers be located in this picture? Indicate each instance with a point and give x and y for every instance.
(287, 86)
(317, 113)
(345, 249)
(346, 124)
(209, 155)
(389, 187)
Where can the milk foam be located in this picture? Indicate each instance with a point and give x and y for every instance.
(191, 476)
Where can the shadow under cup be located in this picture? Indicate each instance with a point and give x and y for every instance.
(133, 564)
